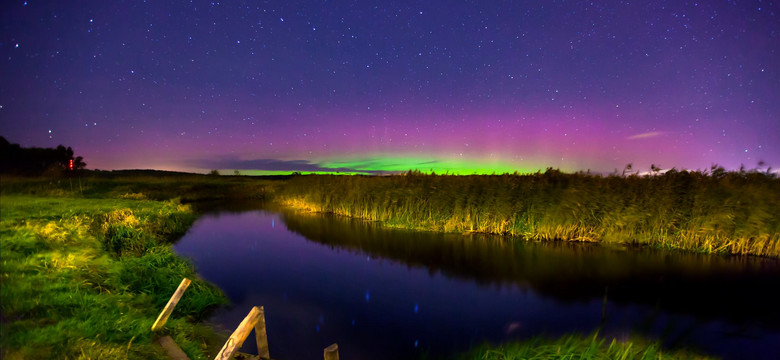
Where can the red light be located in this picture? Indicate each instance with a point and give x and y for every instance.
(70, 164)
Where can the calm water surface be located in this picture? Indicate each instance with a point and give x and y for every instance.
(391, 294)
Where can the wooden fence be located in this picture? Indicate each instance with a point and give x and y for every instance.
(254, 320)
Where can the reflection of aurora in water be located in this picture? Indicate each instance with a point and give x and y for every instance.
(401, 292)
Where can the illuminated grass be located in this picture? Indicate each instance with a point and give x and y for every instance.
(86, 278)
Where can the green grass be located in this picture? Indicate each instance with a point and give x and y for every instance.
(86, 278)
(722, 212)
(576, 347)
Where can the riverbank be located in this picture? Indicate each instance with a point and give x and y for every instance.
(87, 265)
(86, 278)
(722, 212)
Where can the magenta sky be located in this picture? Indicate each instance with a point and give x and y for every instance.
(377, 85)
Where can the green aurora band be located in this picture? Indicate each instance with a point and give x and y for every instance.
(400, 164)
(453, 166)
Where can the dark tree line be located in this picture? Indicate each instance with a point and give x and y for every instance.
(15, 159)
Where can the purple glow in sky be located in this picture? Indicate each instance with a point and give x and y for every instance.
(380, 85)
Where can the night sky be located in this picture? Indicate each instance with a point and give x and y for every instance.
(458, 86)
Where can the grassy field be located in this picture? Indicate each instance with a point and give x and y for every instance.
(719, 212)
(575, 347)
(87, 264)
(85, 273)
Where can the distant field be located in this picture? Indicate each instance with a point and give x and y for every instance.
(142, 184)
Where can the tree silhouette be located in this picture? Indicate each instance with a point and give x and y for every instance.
(15, 159)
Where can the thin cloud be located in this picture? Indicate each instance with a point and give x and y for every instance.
(646, 135)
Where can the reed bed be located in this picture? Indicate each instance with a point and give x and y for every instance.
(711, 212)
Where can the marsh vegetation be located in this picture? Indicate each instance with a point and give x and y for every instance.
(714, 212)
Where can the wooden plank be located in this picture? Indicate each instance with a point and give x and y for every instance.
(236, 339)
(160, 322)
(261, 336)
(173, 350)
(332, 352)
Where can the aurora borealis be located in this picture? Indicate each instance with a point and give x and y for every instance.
(457, 86)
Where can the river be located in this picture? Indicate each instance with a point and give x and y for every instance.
(396, 294)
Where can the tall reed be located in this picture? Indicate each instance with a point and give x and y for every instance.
(721, 212)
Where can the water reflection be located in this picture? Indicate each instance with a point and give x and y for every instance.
(736, 289)
(399, 294)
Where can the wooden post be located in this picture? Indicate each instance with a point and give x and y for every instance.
(158, 324)
(261, 336)
(332, 352)
(173, 350)
(235, 340)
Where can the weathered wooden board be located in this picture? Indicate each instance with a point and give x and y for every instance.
(160, 322)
